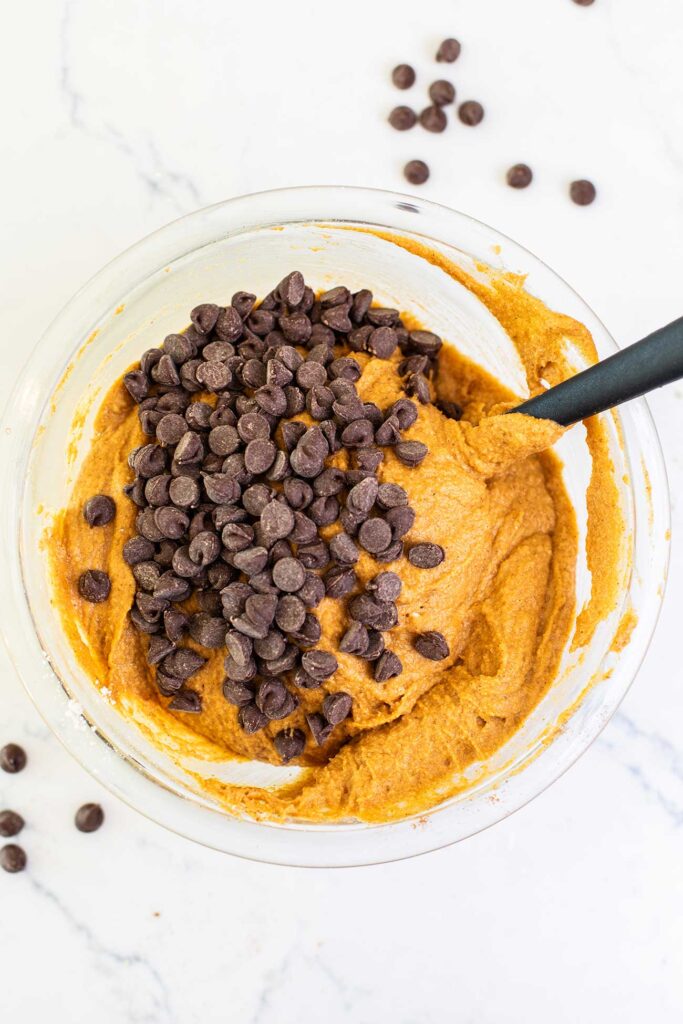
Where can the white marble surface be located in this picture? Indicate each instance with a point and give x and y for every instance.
(119, 116)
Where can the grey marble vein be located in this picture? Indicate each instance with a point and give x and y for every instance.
(139, 983)
(157, 176)
(652, 761)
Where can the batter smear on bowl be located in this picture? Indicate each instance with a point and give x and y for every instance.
(305, 533)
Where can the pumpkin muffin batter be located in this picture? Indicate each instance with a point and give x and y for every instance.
(488, 492)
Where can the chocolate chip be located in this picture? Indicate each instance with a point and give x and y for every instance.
(426, 556)
(310, 633)
(418, 385)
(207, 630)
(260, 609)
(171, 522)
(312, 590)
(214, 375)
(319, 664)
(411, 453)
(280, 468)
(179, 348)
(159, 647)
(343, 549)
(296, 328)
(204, 316)
(289, 743)
(345, 368)
(392, 495)
(441, 92)
(582, 192)
(403, 76)
(320, 728)
(291, 288)
(228, 326)
(157, 490)
(12, 758)
(448, 51)
(184, 491)
(148, 461)
(340, 581)
(270, 647)
(169, 587)
(432, 645)
(11, 824)
(358, 434)
(375, 535)
(324, 511)
(274, 699)
(224, 440)
(375, 646)
(386, 586)
(89, 818)
(367, 610)
(190, 449)
(416, 172)
(221, 488)
(238, 672)
(383, 342)
(402, 118)
(99, 510)
(277, 521)
(401, 520)
(137, 385)
(259, 455)
(389, 432)
(175, 624)
(471, 112)
(519, 176)
(311, 374)
(313, 556)
(387, 666)
(251, 560)
(337, 318)
(171, 428)
(94, 586)
(336, 707)
(251, 719)
(12, 858)
(237, 693)
(290, 613)
(433, 119)
(183, 663)
(355, 640)
(188, 701)
(425, 343)
(304, 529)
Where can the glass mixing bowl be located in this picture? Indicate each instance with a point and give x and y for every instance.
(146, 293)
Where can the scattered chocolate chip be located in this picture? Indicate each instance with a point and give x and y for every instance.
(402, 118)
(403, 76)
(94, 586)
(519, 176)
(418, 385)
(355, 640)
(289, 743)
(433, 119)
(375, 646)
(426, 556)
(183, 663)
(12, 858)
(432, 645)
(416, 172)
(582, 192)
(11, 824)
(448, 51)
(237, 693)
(12, 758)
(441, 93)
(99, 510)
(471, 112)
(208, 630)
(274, 699)
(387, 666)
(89, 818)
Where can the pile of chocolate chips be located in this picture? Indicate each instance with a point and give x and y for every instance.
(471, 112)
(233, 494)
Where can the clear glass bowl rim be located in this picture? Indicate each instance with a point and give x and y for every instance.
(322, 846)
